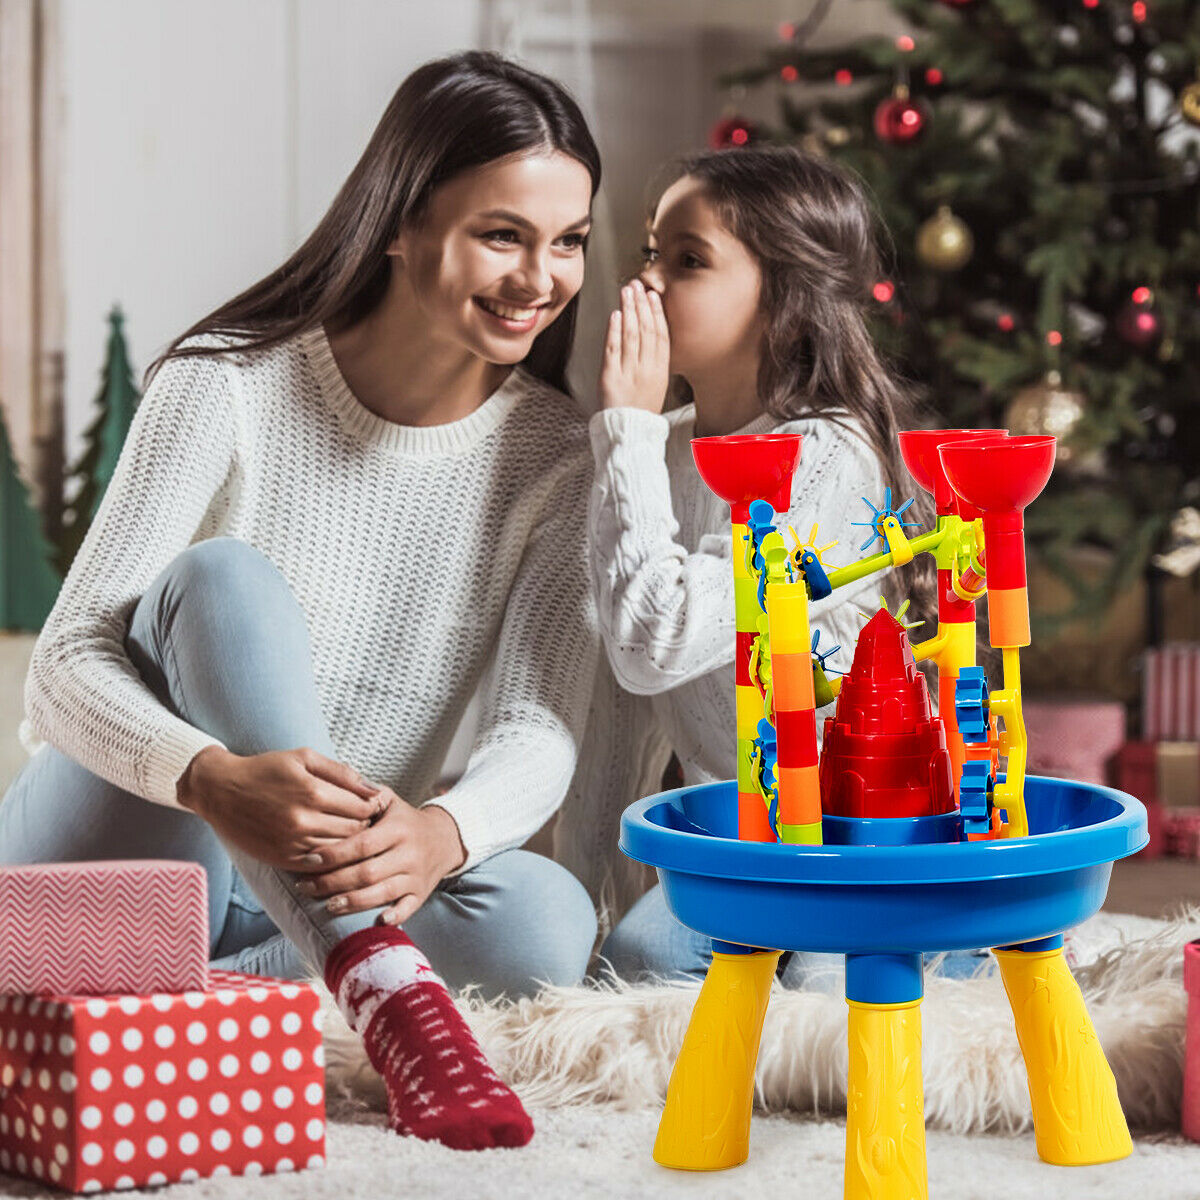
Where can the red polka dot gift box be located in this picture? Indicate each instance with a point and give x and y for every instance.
(100, 1092)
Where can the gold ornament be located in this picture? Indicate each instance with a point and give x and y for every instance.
(1189, 103)
(838, 135)
(944, 242)
(1046, 407)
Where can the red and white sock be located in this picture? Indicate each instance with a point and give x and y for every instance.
(439, 1085)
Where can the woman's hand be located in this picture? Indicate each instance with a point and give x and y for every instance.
(278, 807)
(637, 353)
(398, 861)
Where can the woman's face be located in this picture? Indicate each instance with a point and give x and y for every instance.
(499, 252)
(709, 282)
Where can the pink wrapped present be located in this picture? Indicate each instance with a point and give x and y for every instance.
(1171, 693)
(1073, 739)
(1181, 832)
(94, 928)
(1191, 1061)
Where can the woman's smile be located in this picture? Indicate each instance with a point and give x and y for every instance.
(510, 317)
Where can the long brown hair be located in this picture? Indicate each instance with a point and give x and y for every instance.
(810, 226)
(448, 116)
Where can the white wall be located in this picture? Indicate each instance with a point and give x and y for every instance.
(202, 140)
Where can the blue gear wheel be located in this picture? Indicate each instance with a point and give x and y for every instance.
(766, 747)
(879, 515)
(975, 796)
(971, 705)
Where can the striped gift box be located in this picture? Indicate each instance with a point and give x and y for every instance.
(1171, 693)
(94, 928)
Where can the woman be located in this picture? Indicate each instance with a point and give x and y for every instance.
(343, 505)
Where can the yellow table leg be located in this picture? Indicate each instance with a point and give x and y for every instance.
(1077, 1118)
(705, 1124)
(885, 1104)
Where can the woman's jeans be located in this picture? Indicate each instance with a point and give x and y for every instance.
(222, 642)
(649, 943)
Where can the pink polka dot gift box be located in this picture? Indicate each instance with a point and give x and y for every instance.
(97, 928)
(100, 1092)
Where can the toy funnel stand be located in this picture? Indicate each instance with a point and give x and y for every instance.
(903, 836)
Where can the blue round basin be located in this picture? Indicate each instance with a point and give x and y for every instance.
(855, 899)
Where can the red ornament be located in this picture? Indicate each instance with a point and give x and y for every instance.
(883, 291)
(1138, 11)
(1139, 325)
(1054, 338)
(789, 74)
(732, 132)
(843, 77)
(899, 118)
(933, 76)
(1006, 322)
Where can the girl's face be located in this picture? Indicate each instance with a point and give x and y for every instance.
(498, 253)
(709, 282)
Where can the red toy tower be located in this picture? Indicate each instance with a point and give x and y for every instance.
(885, 752)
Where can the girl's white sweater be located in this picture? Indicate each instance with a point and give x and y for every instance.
(426, 560)
(663, 578)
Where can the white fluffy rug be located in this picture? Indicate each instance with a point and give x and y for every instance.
(573, 1046)
(593, 1064)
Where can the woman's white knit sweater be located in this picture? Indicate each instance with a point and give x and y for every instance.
(425, 559)
(663, 579)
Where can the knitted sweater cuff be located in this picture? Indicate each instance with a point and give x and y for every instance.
(169, 757)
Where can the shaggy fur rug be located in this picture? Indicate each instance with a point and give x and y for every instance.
(616, 1045)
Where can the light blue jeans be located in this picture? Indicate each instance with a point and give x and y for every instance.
(650, 943)
(222, 642)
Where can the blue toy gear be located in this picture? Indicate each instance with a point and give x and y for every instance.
(975, 790)
(971, 705)
(763, 759)
(879, 515)
(820, 656)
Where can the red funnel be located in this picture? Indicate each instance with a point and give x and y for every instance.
(919, 449)
(742, 468)
(1001, 478)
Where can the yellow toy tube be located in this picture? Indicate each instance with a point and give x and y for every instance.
(1077, 1118)
(885, 1104)
(753, 822)
(795, 714)
(705, 1124)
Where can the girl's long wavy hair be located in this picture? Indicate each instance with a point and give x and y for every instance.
(448, 116)
(810, 226)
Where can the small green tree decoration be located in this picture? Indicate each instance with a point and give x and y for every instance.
(28, 582)
(117, 401)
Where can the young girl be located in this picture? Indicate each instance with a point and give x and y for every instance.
(347, 499)
(759, 266)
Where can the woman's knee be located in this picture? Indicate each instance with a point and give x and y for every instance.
(209, 589)
(224, 573)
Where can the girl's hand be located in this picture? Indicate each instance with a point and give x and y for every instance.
(398, 861)
(278, 807)
(637, 352)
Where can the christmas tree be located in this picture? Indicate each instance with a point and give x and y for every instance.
(28, 583)
(1038, 168)
(117, 401)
